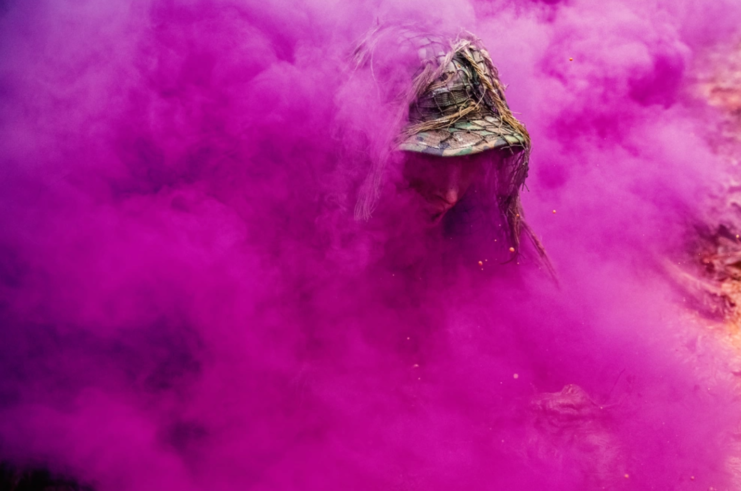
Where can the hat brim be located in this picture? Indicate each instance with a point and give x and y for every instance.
(466, 137)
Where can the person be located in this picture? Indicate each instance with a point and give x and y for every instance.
(462, 152)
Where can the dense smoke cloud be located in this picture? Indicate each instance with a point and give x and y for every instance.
(187, 301)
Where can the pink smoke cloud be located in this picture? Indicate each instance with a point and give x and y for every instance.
(188, 303)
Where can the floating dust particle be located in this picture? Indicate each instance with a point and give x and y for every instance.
(481, 263)
(627, 476)
(408, 338)
(511, 249)
(692, 478)
(516, 376)
(571, 59)
(554, 212)
(416, 365)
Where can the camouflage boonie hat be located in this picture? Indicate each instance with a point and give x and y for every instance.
(458, 107)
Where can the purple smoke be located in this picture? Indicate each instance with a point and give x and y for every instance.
(188, 303)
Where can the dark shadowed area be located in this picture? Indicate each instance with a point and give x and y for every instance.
(188, 302)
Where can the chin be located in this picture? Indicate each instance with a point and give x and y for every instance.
(434, 219)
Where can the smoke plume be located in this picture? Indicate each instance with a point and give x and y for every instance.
(187, 301)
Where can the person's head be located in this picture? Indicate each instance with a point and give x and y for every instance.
(457, 133)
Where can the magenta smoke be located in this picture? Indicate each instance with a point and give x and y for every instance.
(188, 302)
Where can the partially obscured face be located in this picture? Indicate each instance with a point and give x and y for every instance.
(441, 182)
